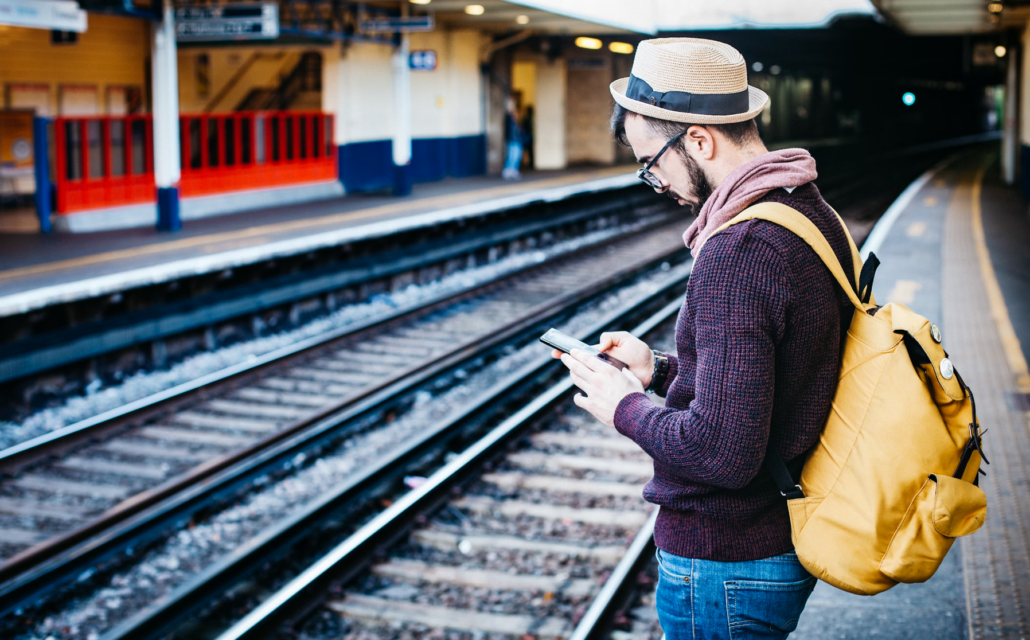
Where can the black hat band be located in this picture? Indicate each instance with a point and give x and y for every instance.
(705, 104)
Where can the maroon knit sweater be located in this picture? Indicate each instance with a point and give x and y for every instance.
(758, 345)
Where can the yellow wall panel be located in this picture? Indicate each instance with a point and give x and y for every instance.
(113, 51)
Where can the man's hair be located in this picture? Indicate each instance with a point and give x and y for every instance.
(739, 133)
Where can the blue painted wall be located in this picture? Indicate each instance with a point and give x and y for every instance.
(368, 166)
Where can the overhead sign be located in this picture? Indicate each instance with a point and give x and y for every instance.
(59, 15)
(242, 21)
(412, 24)
(422, 60)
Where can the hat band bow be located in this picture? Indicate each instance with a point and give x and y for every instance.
(708, 104)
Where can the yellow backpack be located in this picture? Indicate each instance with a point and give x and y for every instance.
(892, 481)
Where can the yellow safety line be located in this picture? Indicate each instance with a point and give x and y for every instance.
(1000, 312)
(435, 202)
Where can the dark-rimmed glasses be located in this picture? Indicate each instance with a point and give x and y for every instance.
(645, 173)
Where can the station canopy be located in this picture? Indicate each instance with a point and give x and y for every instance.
(648, 17)
(939, 17)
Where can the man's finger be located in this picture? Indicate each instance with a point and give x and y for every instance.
(576, 366)
(589, 361)
(557, 354)
(581, 383)
(583, 402)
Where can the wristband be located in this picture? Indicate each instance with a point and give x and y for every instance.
(661, 372)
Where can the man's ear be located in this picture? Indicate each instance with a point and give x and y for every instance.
(700, 140)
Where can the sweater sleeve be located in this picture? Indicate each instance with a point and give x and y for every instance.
(741, 292)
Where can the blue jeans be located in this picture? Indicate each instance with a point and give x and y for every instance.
(514, 159)
(731, 600)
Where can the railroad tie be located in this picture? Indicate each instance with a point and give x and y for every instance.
(416, 570)
(381, 610)
(615, 466)
(559, 484)
(446, 541)
(560, 513)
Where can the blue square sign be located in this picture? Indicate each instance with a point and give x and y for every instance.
(423, 60)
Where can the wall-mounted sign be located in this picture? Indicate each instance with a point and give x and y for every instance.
(15, 144)
(62, 15)
(242, 21)
(412, 24)
(422, 60)
(587, 63)
(984, 56)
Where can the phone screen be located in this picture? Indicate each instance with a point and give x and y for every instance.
(566, 343)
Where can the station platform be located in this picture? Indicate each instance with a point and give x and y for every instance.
(39, 270)
(957, 250)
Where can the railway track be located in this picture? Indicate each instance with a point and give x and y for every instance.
(200, 425)
(535, 530)
(123, 478)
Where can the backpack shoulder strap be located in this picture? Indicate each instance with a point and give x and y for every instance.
(799, 224)
(856, 257)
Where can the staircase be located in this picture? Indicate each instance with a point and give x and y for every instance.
(301, 88)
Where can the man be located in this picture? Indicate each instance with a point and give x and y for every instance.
(758, 344)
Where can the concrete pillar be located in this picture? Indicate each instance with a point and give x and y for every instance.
(549, 118)
(402, 114)
(166, 121)
(334, 98)
(1010, 127)
(1024, 110)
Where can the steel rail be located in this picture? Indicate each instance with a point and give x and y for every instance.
(141, 410)
(205, 587)
(72, 344)
(300, 595)
(26, 452)
(146, 516)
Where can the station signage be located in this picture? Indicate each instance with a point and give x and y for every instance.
(241, 21)
(411, 24)
(422, 60)
(58, 15)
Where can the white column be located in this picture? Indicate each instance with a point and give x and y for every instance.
(166, 120)
(402, 113)
(549, 118)
(1024, 108)
(1010, 131)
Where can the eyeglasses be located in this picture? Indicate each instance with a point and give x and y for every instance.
(645, 173)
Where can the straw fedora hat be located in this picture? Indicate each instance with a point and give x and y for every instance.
(689, 80)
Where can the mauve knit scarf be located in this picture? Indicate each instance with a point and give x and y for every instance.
(747, 183)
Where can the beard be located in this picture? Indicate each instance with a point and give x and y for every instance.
(700, 188)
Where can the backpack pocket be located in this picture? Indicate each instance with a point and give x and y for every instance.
(943, 509)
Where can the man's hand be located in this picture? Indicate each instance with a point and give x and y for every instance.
(604, 385)
(638, 357)
(632, 351)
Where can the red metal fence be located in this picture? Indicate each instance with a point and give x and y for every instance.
(108, 161)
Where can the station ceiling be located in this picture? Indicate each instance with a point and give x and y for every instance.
(941, 17)
(502, 17)
(647, 17)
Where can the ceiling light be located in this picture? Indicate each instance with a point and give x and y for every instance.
(420, 1)
(999, 51)
(757, 67)
(908, 98)
(588, 43)
(995, 7)
(522, 20)
(775, 69)
(474, 9)
(620, 47)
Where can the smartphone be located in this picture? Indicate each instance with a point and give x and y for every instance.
(566, 343)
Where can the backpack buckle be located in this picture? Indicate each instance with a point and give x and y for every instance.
(794, 495)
